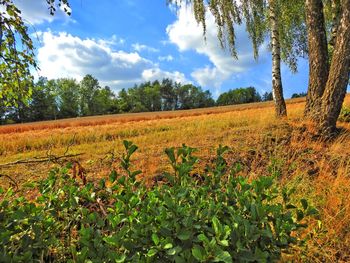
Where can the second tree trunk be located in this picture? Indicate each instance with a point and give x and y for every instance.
(277, 90)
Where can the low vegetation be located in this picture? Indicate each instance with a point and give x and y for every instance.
(185, 217)
(345, 114)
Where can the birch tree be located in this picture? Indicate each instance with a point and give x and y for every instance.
(318, 57)
(262, 19)
(338, 78)
(327, 82)
(277, 89)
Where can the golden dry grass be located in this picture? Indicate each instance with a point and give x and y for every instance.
(319, 171)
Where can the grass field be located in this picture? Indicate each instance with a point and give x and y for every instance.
(319, 171)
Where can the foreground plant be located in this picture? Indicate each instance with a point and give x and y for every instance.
(215, 216)
(345, 114)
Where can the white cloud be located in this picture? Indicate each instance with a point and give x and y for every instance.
(113, 41)
(37, 12)
(166, 58)
(209, 76)
(156, 73)
(63, 55)
(139, 48)
(187, 34)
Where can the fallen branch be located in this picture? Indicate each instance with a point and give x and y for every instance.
(49, 158)
(13, 182)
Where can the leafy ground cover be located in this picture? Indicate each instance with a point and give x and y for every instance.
(213, 216)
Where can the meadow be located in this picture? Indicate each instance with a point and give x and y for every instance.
(318, 170)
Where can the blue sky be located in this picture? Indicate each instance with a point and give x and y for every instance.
(123, 42)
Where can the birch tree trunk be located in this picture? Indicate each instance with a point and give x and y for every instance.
(277, 89)
(334, 94)
(335, 7)
(318, 58)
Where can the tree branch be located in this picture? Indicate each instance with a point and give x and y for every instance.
(11, 179)
(42, 159)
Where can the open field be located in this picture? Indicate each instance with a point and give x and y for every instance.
(320, 171)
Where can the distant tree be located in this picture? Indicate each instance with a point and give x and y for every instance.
(152, 99)
(298, 95)
(164, 95)
(190, 96)
(106, 102)
(168, 94)
(88, 91)
(267, 96)
(43, 105)
(124, 101)
(68, 98)
(239, 96)
(206, 100)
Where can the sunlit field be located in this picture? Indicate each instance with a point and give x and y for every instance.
(319, 171)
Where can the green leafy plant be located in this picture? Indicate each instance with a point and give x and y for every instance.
(216, 217)
(345, 114)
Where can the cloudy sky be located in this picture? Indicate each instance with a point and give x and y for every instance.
(123, 42)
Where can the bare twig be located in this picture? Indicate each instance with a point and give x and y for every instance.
(50, 158)
(70, 144)
(109, 156)
(101, 206)
(11, 179)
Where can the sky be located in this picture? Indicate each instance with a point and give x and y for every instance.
(125, 42)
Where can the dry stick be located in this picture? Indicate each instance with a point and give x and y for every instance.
(51, 158)
(48, 158)
(101, 206)
(11, 179)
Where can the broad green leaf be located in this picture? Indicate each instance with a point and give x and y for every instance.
(171, 252)
(304, 203)
(312, 211)
(216, 225)
(171, 155)
(184, 235)
(300, 215)
(155, 239)
(222, 256)
(152, 252)
(168, 246)
(120, 259)
(199, 253)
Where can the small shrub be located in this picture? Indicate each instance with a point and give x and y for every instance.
(213, 217)
(345, 114)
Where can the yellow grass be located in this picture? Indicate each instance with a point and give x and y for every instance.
(320, 171)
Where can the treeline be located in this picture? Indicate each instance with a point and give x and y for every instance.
(67, 98)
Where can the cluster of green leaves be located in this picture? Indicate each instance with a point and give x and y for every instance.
(345, 114)
(212, 217)
(239, 96)
(17, 52)
(163, 95)
(15, 63)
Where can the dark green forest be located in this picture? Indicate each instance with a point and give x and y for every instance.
(68, 98)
